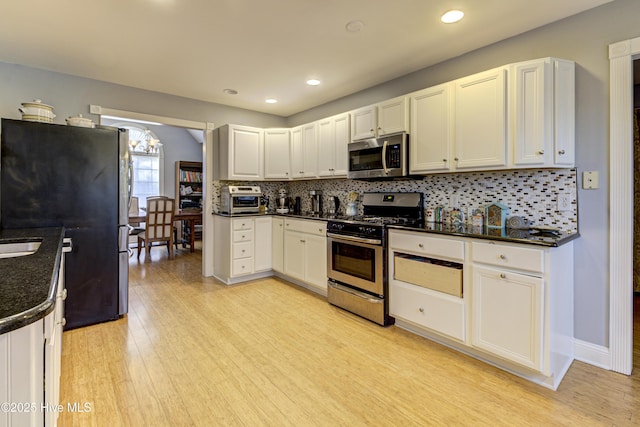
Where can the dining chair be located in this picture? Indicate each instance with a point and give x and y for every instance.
(159, 225)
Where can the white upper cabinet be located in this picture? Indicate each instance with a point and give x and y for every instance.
(384, 118)
(543, 113)
(333, 137)
(480, 117)
(276, 153)
(241, 150)
(304, 151)
(393, 116)
(430, 136)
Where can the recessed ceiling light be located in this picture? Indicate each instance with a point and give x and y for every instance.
(313, 82)
(452, 16)
(230, 91)
(270, 100)
(354, 26)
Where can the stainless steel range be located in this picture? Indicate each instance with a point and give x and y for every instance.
(357, 253)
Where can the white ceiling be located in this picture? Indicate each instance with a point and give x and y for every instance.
(261, 48)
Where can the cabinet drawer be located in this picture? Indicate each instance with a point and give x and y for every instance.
(319, 228)
(242, 266)
(243, 224)
(242, 250)
(518, 258)
(243, 236)
(439, 312)
(434, 247)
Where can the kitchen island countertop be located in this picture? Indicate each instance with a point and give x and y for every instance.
(28, 283)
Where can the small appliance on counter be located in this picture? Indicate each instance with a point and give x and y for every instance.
(316, 202)
(334, 206)
(235, 199)
(282, 202)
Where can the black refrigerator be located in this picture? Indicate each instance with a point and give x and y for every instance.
(58, 175)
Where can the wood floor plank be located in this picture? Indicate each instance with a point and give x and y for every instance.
(194, 352)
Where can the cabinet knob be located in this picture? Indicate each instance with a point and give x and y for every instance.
(456, 159)
(541, 152)
(503, 256)
(64, 294)
(444, 160)
(371, 130)
(244, 250)
(421, 310)
(302, 241)
(420, 245)
(320, 230)
(286, 173)
(243, 236)
(64, 321)
(561, 152)
(503, 276)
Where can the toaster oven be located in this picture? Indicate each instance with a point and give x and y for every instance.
(235, 199)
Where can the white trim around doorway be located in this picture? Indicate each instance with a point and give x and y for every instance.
(621, 57)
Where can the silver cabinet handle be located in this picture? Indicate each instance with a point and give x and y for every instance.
(541, 152)
(561, 152)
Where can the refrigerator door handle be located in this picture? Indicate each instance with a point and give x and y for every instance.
(123, 238)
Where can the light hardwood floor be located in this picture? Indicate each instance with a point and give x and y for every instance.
(194, 352)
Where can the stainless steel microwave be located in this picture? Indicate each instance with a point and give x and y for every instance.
(236, 199)
(379, 157)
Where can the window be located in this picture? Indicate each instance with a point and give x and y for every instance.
(147, 161)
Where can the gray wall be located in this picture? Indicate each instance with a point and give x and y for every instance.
(71, 95)
(583, 38)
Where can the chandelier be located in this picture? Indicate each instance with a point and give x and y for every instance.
(146, 144)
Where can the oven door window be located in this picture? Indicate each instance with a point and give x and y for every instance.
(356, 261)
(245, 201)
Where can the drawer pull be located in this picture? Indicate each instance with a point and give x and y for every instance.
(421, 310)
(420, 245)
(561, 152)
(302, 241)
(502, 256)
(503, 276)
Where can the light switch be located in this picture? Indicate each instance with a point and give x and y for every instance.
(590, 180)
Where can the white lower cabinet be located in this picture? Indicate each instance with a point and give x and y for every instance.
(277, 244)
(305, 252)
(508, 315)
(242, 248)
(516, 300)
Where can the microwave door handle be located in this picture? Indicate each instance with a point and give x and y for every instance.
(384, 157)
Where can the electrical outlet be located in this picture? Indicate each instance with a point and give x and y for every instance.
(564, 202)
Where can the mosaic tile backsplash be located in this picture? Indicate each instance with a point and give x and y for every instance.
(528, 193)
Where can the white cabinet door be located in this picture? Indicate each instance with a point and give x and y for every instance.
(297, 153)
(294, 254)
(480, 120)
(333, 137)
(241, 150)
(316, 260)
(564, 112)
(310, 144)
(304, 151)
(507, 315)
(262, 255)
(363, 123)
(393, 116)
(276, 153)
(277, 244)
(430, 140)
(326, 147)
(342, 138)
(532, 112)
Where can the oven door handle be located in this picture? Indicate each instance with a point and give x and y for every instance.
(384, 157)
(355, 239)
(355, 293)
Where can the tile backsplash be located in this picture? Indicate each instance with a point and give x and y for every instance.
(528, 193)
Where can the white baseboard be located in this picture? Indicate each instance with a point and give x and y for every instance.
(592, 354)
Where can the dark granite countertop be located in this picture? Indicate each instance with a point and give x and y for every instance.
(28, 283)
(495, 234)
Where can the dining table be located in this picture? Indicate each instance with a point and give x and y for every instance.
(190, 216)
